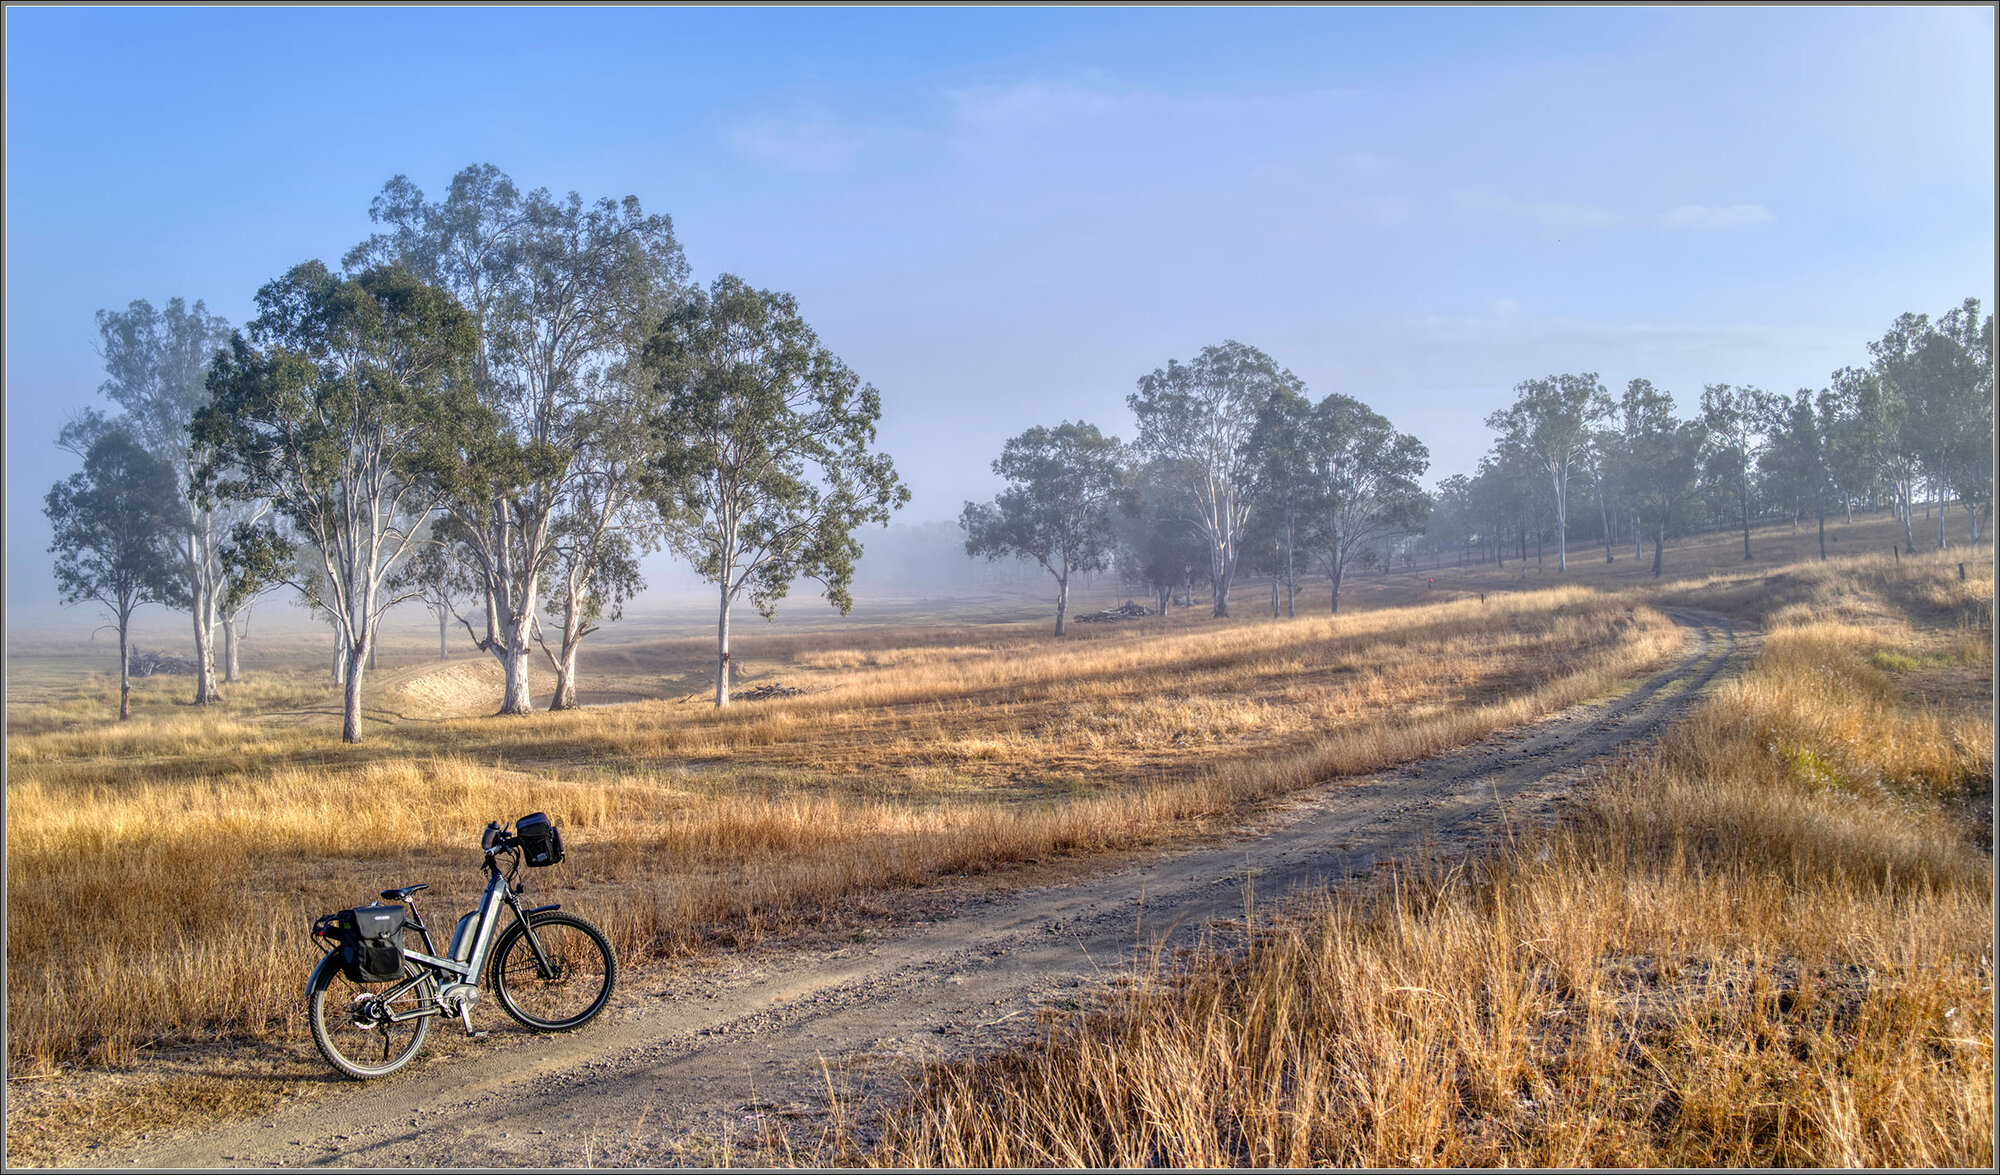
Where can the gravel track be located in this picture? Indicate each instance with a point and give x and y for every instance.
(686, 1066)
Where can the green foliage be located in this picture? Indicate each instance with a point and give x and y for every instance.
(116, 523)
(1066, 485)
(343, 406)
(1155, 547)
(156, 363)
(1942, 372)
(563, 295)
(1662, 457)
(1363, 475)
(1196, 421)
(347, 385)
(1283, 490)
(1551, 424)
(256, 558)
(761, 461)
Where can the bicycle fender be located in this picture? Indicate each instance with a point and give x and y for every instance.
(331, 959)
(543, 909)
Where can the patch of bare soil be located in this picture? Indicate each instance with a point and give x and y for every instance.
(450, 689)
(741, 1056)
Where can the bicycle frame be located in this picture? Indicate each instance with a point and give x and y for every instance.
(499, 893)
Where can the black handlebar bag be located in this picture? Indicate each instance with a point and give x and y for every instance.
(540, 840)
(371, 943)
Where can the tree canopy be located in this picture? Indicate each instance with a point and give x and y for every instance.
(561, 296)
(343, 405)
(1197, 419)
(116, 523)
(1066, 486)
(1551, 422)
(761, 460)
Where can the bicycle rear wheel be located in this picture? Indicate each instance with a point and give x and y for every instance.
(574, 986)
(350, 1021)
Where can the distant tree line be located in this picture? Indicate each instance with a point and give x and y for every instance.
(1911, 431)
(1236, 469)
(499, 404)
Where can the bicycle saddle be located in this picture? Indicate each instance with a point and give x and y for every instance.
(397, 895)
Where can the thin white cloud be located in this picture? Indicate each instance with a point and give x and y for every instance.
(1002, 118)
(1729, 216)
(814, 144)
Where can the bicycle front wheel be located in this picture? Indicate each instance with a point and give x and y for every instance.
(351, 1021)
(567, 986)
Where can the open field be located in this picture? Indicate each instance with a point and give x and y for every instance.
(1767, 943)
(733, 1056)
(161, 872)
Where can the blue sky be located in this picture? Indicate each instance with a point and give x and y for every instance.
(1002, 218)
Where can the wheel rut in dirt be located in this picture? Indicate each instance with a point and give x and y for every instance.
(684, 1067)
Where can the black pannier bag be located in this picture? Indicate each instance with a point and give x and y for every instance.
(371, 943)
(540, 840)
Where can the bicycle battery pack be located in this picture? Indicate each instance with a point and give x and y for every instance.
(371, 943)
(540, 840)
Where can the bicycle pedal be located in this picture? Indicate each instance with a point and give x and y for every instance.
(477, 1034)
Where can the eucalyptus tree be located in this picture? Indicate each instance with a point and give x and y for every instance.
(1155, 547)
(116, 525)
(562, 296)
(1495, 488)
(1453, 515)
(1882, 436)
(1199, 417)
(1856, 440)
(435, 576)
(1734, 418)
(1065, 487)
(156, 366)
(762, 463)
(1599, 463)
(1797, 460)
(1663, 460)
(255, 561)
(1364, 475)
(348, 396)
(594, 570)
(316, 596)
(1285, 486)
(1961, 404)
(1942, 372)
(1551, 421)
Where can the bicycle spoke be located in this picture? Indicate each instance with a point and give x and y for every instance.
(351, 1025)
(573, 985)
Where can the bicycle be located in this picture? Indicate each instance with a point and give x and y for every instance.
(370, 1000)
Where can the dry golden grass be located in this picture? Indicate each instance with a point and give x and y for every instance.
(162, 872)
(1767, 943)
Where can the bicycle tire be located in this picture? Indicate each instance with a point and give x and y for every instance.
(585, 972)
(347, 1043)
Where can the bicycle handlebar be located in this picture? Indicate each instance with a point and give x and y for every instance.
(496, 841)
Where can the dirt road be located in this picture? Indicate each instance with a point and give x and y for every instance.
(684, 1067)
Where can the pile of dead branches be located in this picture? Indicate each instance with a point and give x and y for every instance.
(769, 689)
(144, 663)
(1129, 610)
